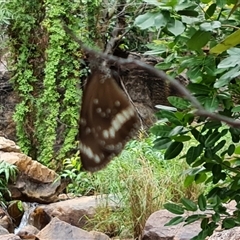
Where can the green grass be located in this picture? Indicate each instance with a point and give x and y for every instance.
(141, 180)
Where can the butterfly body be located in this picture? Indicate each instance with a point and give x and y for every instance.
(108, 121)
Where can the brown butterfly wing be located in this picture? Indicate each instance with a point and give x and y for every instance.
(108, 121)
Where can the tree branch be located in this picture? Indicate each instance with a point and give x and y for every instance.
(200, 111)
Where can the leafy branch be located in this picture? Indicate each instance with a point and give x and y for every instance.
(200, 111)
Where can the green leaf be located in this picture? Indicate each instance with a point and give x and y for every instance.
(181, 138)
(210, 26)
(200, 178)
(20, 206)
(146, 20)
(216, 217)
(174, 208)
(219, 146)
(173, 150)
(212, 139)
(175, 221)
(211, 104)
(199, 88)
(228, 223)
(169, 115)
(195, 74)
(193, 153)
(236, 109)
(226, 78)
(230, 41)
(198, 40)
(212, 125)
(210, 11)
(175, 27)
(237, 150)
(177, 130)
(197, 135)
(153, 2)
(189, 180)
(202, 203)
(178, 102)
(231, 149)
(161, 19)
(162, 143)
(216, 172)
(230, 61)
(204, 223)
(194, 218)
(189, 204)
(161, 130)
(188, 12)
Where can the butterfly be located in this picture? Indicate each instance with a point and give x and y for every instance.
(107, 120)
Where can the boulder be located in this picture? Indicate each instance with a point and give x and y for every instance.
(230, 234)
(61, 230)
(10, 237)
(5, 222)
(35, 182)
(74, 211)
(155, 230)
(28, 232)
(3, 231)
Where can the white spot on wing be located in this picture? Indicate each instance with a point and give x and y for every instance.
(83, 122)
(118, 121)
(117, 104)
(103, 114)
(108, 110)
(87, 130)
(95, 101)
(88, 151)
(105, 134)
(98, 110)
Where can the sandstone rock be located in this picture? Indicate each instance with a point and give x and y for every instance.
(35, 182)
(10, 237)
(73, 211)
(28, 232)
(6, 221)
(155, 230)
(8, 102)
(15, 212)
(3, 231)
(230, 234)
(7, 145)
(60, 230)
(99, 235)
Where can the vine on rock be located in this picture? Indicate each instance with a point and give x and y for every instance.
(46, 75)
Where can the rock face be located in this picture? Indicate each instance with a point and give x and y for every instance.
(231, 234)
(144, 89)
(74, 211)
(34, 182)
(60, 230)
(155, 229)
(8, 101)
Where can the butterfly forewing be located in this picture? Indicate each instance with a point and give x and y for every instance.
(108, 121)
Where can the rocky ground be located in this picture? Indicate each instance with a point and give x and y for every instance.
(59, 216)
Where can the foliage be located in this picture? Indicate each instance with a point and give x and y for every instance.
(45, 67)
(7, 172)
(139, 180)
(4, 21)
(81, 182)
(199, 39)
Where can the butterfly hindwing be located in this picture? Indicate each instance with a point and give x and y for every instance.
(108, 121)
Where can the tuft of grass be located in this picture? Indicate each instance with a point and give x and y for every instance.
(143, 182)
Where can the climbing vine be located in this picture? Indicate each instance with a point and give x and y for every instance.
(46, 72)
